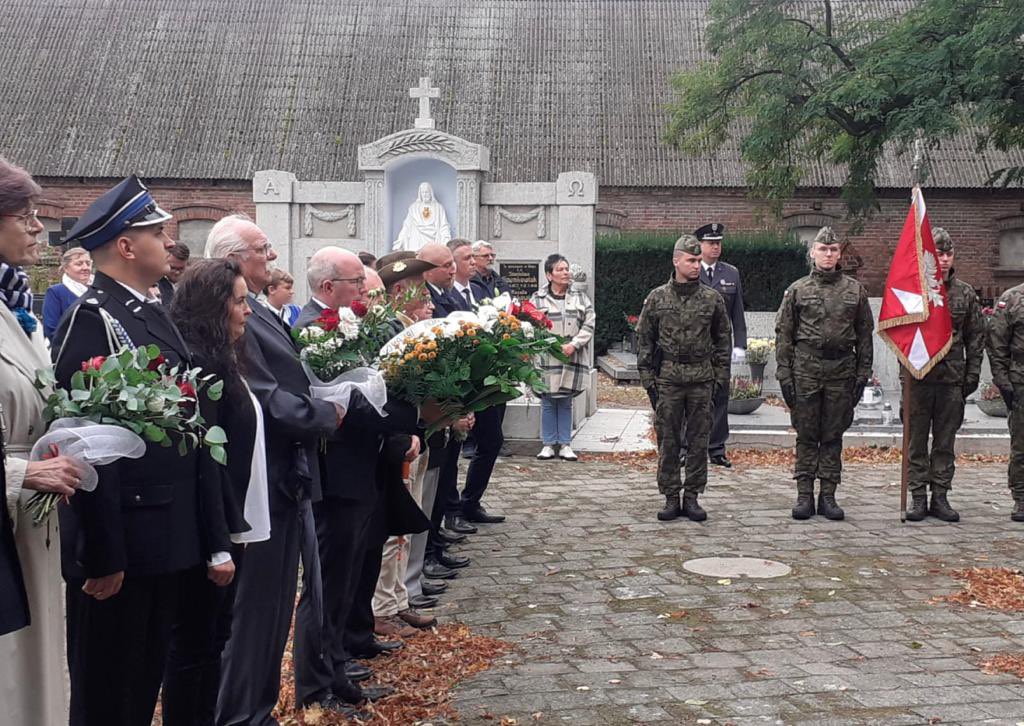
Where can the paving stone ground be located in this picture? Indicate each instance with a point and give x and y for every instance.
(609, 628)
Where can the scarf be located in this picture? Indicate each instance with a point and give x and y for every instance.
(77, 289)
(14, 289)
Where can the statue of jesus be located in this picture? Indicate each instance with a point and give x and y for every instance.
(425, 222)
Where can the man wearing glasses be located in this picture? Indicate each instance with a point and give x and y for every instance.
(486, 283)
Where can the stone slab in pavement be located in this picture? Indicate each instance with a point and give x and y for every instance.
(610, 629)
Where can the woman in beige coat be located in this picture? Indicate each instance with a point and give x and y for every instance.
(572, 315)
(31, 659)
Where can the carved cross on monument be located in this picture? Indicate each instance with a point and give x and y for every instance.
(424, 93)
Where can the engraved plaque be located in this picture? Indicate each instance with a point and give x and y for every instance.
(523, 277)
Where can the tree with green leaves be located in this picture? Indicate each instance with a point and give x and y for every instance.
(798, 82)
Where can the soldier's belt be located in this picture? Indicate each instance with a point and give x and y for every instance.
(824, 353)
(691, 358)
(1017, 357)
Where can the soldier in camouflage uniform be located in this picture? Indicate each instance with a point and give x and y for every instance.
(937, 400)
(1006, 356)
(685, 341)
(823, 351)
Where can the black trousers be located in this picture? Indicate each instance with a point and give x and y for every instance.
(320, 655)
(192, 679)
(359, 626)
(446, 500)
(117, 649)
(264, 602)
(489, 439)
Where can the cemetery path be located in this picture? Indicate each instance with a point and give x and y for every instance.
(609, 628)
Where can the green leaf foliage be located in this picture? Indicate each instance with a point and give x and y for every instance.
(631, 265)
(800, 83)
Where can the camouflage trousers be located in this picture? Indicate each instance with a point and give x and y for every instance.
(936, 408)
(1015, 476)
(680, 405)
(823, 412)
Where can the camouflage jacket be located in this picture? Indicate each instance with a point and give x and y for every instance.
(1006, 339)
(823, 329)
(962, 364)
(684, 335)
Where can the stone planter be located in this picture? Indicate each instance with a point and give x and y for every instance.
(995, 408)
(742, 406)
(757, 371)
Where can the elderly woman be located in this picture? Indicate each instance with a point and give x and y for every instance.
(573, 316)
(76, 266)
(31, 659)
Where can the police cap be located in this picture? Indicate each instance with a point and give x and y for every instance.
(710, 232)
(127, 205)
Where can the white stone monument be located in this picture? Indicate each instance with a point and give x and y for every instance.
(425, 222)
(523, 221)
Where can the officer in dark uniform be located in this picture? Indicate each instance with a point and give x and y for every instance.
(127, 545)
(725, 279)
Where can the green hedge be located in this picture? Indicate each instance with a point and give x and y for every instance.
(630, 265)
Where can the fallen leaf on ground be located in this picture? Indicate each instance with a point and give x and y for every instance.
(1012, 663)
(995, 588)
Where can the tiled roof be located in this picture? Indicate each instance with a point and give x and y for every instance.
(214, 89)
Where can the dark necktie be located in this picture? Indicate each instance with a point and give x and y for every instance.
(465, 294)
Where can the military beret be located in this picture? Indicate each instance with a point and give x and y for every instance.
(401, 269)
(943, 242)
(127, 205)
(393, 257)
(710, 232)
(826, 236)
(687, 243)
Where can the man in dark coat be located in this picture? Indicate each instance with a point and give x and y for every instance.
(486, 282)
(294, 424)
(127, 546)
(351, 519)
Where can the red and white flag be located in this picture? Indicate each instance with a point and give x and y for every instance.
(915, 319)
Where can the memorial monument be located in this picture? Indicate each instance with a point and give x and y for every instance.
(423, 184)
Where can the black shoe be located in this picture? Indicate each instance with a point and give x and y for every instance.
(456, 523)
(468, 452)
(720, 460)
(351, 693)
(378, 647)
(506, 450)
(450, 537)
(479, 514)
(940, 508)
(804, 508)
(452, 562)
(357, 672)
(422, 602)
(918, 508)
(334, 704)
(434, 588)
(691, 509)
(828, 507)
(436, 571)
(671, 510)
(1018, 511)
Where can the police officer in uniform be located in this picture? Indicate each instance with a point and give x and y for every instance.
(684, 338)
(1006, 356)
(127, 545)
(725, 279)
(937, 400)
(823, 352)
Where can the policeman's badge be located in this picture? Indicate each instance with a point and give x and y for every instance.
(931, 267)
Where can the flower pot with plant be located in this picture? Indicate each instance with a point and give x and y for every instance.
(744, 396)
(990, 401)
(758, 351)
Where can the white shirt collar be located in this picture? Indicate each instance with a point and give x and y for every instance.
(323, 305)
(138, 295)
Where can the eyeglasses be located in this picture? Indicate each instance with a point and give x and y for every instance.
(488, 255)
(264, 249)
(353, 280)
(27, 218)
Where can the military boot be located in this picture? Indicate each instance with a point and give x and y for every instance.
(918, 508)
(940, 508)
(1018, 510)
(828, 507)
(692, 509)
(671, 510)
(804, 508)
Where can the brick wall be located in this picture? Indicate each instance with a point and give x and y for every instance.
(973, 218)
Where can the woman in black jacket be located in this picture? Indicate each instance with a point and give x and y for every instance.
(210, 309)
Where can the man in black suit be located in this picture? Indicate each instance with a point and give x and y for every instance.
(126, 547)
(294, 424)
(177, 259)
(351, 519)
(13, 600)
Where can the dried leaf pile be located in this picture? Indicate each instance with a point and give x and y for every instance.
(422, 674)
(1004, 663)
(993, 588)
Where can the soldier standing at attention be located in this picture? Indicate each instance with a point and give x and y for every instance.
(684, 345)
(937, 400)
(823, 353)
(1006, 356)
